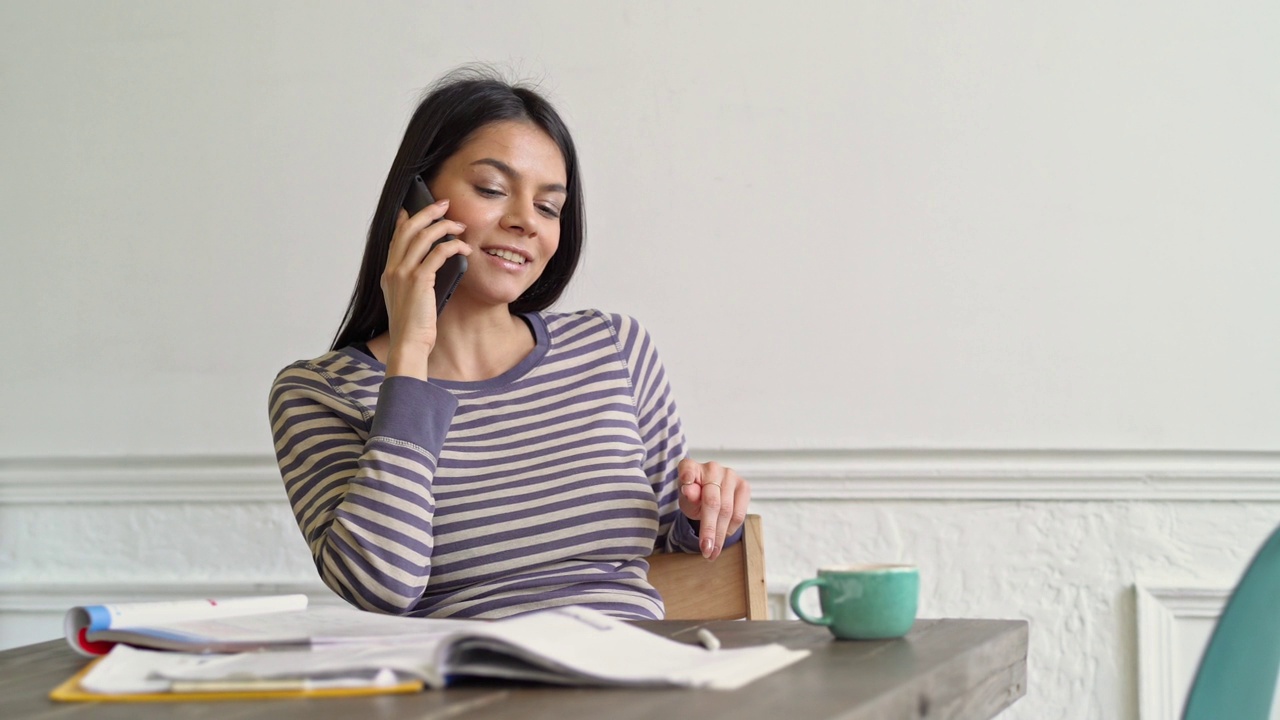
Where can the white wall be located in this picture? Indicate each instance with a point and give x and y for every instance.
(1029, 251)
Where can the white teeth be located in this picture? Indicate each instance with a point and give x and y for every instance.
(507, 255)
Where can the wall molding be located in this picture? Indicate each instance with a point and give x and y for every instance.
(778, 474)
(1159, 609)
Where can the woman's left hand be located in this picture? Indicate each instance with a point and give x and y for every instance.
(717, 498)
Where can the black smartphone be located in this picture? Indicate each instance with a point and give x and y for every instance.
(449, 274)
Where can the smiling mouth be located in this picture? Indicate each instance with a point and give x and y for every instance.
(508, 256)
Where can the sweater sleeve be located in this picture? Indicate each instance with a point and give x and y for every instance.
(362, 498)
(661, 432)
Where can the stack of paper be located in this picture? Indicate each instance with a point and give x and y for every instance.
(294, 650)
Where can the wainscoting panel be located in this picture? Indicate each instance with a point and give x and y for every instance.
(1174, 625)
(1058, 538)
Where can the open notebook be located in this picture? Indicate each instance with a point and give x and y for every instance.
(336, 649)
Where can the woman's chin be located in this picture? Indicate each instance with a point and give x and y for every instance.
(491, 297)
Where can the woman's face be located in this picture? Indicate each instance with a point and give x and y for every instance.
(507, 185)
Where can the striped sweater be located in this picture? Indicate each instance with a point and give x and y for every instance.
(547, 485)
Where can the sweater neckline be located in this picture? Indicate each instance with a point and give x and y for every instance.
(541, 344)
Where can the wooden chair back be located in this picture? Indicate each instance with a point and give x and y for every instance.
(730, 588)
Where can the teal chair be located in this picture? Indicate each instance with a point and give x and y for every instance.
(1237, 675)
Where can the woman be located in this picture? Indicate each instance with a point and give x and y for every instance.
(498, 458)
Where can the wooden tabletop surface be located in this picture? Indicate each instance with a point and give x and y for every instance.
(959, 669)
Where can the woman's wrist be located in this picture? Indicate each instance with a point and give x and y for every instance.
(407, 364)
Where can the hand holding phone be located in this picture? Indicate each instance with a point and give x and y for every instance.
(449, 274)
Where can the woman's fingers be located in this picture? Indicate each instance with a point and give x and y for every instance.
(414, 276)
(436, 254)
(407, 281)
(711, 535)
(408, 227)
(715, 496)
(735, 494)
(422, 249)
(730, 488)
(689, 477)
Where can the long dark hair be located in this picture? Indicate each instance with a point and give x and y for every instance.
(448, 116)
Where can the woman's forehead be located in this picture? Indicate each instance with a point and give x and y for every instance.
(522, 146)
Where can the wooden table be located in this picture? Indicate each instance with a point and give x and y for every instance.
(943, 669)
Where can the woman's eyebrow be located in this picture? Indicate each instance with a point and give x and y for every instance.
(514, 174)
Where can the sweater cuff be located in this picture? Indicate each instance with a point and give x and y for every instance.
(414, 411)
(684, 534)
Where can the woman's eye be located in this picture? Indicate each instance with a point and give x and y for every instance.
(488, 192)
(550, 211)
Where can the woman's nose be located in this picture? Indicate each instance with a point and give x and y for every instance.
(519, 219)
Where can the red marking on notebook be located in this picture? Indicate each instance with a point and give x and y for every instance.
(97, 647)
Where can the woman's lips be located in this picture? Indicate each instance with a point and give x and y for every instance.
(510, 258)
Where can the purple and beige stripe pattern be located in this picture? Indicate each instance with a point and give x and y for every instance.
(545, 486)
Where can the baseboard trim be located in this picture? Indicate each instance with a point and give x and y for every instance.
(1081, 475)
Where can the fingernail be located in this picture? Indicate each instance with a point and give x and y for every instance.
(461, 225)
(707, 547)
(444, 203)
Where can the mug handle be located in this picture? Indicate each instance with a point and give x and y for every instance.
(795, 601)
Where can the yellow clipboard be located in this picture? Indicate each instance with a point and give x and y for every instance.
(70, 691)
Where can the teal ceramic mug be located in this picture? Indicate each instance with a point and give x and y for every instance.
(863, 602)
